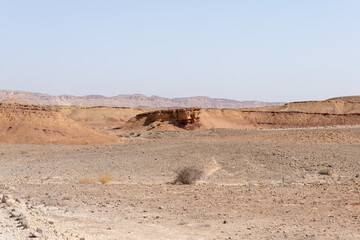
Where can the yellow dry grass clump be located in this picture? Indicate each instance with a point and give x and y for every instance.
(105, 178)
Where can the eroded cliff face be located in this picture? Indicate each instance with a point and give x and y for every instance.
(182, 118)
(183, 115)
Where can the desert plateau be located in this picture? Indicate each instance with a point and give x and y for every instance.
(99, 172)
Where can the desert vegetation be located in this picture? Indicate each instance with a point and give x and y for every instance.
(105, 178)
(325, 171)
(188, 175)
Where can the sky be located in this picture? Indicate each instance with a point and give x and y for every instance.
(278, 50)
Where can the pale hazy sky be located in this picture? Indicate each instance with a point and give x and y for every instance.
(268, 50)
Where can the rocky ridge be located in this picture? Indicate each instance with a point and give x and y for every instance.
(134, 100)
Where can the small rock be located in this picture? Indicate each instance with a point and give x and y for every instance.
(21, 218)
(5, 198)
(35, 234)
(15, 214)
(39, 230)
(24, 223)
(204, 225)
(183, 222)
(224, 222)
(10, 202)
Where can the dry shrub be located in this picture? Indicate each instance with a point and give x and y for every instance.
(88, 179)
(67, 197)
(326, 171)
(188, 175)
(105, 178)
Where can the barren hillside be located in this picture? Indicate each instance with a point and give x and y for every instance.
(33, 124)
(100, 118)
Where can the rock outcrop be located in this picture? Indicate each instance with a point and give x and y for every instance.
(186, 118)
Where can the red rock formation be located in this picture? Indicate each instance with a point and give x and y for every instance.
(187, 118)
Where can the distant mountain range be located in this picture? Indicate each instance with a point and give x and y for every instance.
(134, 101)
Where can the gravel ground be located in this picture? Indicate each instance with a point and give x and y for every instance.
(258, 184)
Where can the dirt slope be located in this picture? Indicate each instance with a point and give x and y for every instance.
(100, 118)
(215, 118)
(329, 106)
(35, 124)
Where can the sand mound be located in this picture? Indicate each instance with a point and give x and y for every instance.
(210, 167)
(34, 124)
(239, 119)
(100, 118)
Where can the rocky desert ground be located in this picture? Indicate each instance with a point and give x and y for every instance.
(289, 172)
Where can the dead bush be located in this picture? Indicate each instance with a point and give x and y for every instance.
(67, 197)
(188, 175)
(105, 178)
(325, 171)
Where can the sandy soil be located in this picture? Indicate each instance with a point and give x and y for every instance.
(35, 124)
(261, 184)
(101, 118)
